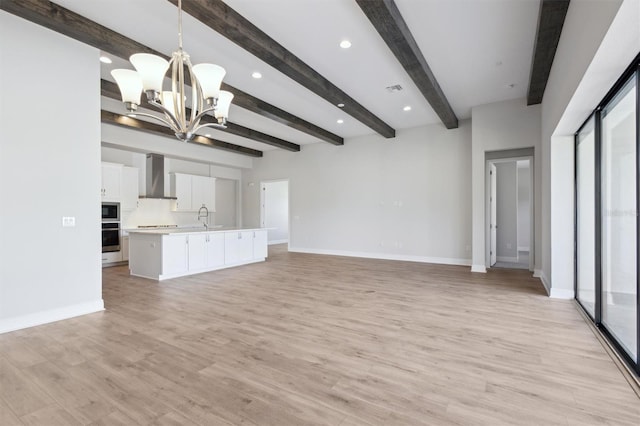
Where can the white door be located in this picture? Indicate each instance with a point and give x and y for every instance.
(493, 226)
(274, 201)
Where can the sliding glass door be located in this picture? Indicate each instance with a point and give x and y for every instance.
(619, 218)
(607, 222)
(586, 217)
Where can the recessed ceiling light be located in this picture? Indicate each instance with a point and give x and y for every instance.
(105, 60)
(256, 74)
(340, 105)
(407, 108)
(345, 44)
(340, 121)
(132, 115)
(208, 135)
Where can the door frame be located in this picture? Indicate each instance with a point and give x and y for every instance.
(487, 215)
(262, 206)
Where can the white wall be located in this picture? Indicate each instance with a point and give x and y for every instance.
(402, 198)
(507, 211)
(226, 202)
(524, 212)
(49, 168)
(276, 210)
(500, 126)
(598, 41)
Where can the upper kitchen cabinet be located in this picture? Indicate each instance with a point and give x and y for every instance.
(130, 192)
(111, 182)
(193, 192)
(203, 192)
(120, 184)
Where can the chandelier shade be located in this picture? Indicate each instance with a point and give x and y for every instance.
(130, 85)
(210, 78)
(224, 102)
(205, 80)
(151, 69)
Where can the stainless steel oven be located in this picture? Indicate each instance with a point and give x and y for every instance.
(110, 236)
(111, 212)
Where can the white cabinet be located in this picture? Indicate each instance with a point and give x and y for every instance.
(197, 251)
(238, 247)
(111, 182)
(129, 193)
(203, 192)
(124, 248)
(215, 250)
(181, 189)
(161, 256)
(193, 192)
(111, 257)
(206, 251)
(260, 244)
(174, 254)
(120, 184)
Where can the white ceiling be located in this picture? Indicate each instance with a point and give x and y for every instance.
(476, 49)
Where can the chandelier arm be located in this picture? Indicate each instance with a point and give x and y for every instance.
(155, 117)
(173, 123)
(197, 118)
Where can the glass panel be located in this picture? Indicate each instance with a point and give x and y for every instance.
(586, 224)
(619, 218)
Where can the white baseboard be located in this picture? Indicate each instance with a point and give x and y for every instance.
(277, 242)
(554, 293)
(539, 273)
(479, 268)
(523, 248)
(52, 315)
(385, 256)
(507, 259)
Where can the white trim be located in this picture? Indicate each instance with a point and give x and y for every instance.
(479, 268)
(277, 242)
(507, 259)
(539, 273)
(52, 315)
(561, 293)
(523, 248)
(384, 256)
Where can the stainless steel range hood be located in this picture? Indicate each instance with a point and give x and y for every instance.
(155, 178)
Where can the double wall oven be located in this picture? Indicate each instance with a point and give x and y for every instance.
(110, 227)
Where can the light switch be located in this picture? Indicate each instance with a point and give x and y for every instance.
(68, 221)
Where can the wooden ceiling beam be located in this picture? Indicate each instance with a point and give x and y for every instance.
(71, 24)
(387, 20)
(550, 23)
(110, 90)
(109, 117)
(218, 16)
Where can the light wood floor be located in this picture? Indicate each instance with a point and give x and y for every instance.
(317, 340)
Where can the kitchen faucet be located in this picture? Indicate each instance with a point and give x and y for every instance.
(204, 215)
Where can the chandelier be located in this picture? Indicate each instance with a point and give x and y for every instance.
(206, 96)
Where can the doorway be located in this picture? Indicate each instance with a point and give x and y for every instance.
(274, 210)
(510, 213)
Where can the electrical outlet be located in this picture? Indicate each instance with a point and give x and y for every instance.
(68, 221)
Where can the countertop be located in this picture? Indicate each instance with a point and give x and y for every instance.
(194, 230)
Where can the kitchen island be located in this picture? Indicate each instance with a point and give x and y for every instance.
(161, 254)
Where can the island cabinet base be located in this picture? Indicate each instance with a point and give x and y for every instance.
(163, 255)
